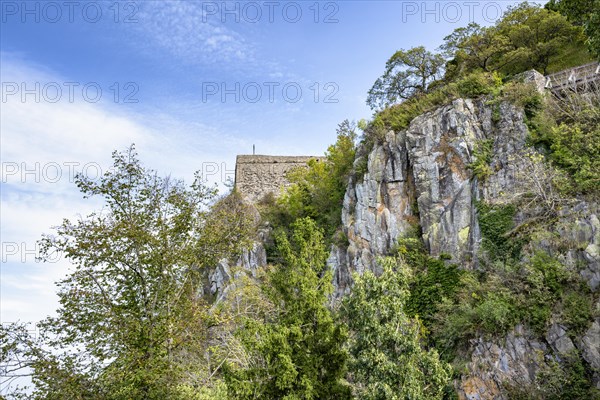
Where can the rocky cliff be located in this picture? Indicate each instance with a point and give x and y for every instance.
(421, 176)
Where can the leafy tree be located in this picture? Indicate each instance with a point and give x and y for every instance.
(318, 191)
(537, 36)
(474, 47)
(388, 360)
(582, 13)
(297, 348)
(407, 73)
(131, 311)
(527, 37)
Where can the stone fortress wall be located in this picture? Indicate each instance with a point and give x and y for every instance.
(258, 175)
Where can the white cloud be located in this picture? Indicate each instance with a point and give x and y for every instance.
(184, 30)
(39, 139)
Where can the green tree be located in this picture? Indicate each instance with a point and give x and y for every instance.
(474, 47)
(527, 37)
(537, 37)
(297, 349)
(388, 360)
(318, 191)
(132, 303)
(407, 73)
(582, 13)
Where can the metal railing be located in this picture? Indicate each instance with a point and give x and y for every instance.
(583, 78)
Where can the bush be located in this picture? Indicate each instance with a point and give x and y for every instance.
(576, 149)
(477, 84)
(433, 282)
(525, 96)
(577, 311)
(495, 223)
(496, 313)
(569, 128)
(566, 380)
(399, 116)
(482, 154)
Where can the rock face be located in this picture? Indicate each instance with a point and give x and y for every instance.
(421, 176)
(515, 361)
(249, 261)
(590, 348)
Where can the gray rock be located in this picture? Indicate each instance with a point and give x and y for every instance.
(249, 261)
(558, 339)
(590, 349)
(513, 360)
(421, 175)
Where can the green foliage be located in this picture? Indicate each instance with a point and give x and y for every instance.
(482, 154)
(576, 148)
(477, 84)
(526, 37)
(472, 48)
(577, 310)
(569, 128)
(432, 282)
(495, 223)
(545, 279)
(132, 299)
(537, 37)
(398, 117)
(581, 13)
(388, 360)
(493, 301)
(318, 191)
(216, 392)
(568, 379)
(430, 287)
(525, 96)
(407, 73)
(296, 350)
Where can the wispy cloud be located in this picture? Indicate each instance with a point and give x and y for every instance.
(44, 144)
(182, 30)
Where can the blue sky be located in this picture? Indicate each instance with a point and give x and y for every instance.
(81, 80)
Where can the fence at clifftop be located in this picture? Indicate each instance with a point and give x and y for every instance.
(584, 78)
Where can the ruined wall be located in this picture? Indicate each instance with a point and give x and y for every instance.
(256, 176)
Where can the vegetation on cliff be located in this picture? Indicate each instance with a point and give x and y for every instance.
(136, 322)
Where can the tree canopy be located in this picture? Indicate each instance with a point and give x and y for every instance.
(407, 73)
(582, 13)
(298, 349)
(388, 360)
(133, 301)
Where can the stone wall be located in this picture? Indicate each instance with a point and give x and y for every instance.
(257, 175)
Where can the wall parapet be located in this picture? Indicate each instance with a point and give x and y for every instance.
(258, 175)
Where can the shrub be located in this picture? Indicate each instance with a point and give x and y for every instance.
(569, 128)
(496, 313)
(576, 311)
(477, 84)
(525, 96)
(495, 223)
(482, 155)
(566, 380)
(433, 282)
(576, 149)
